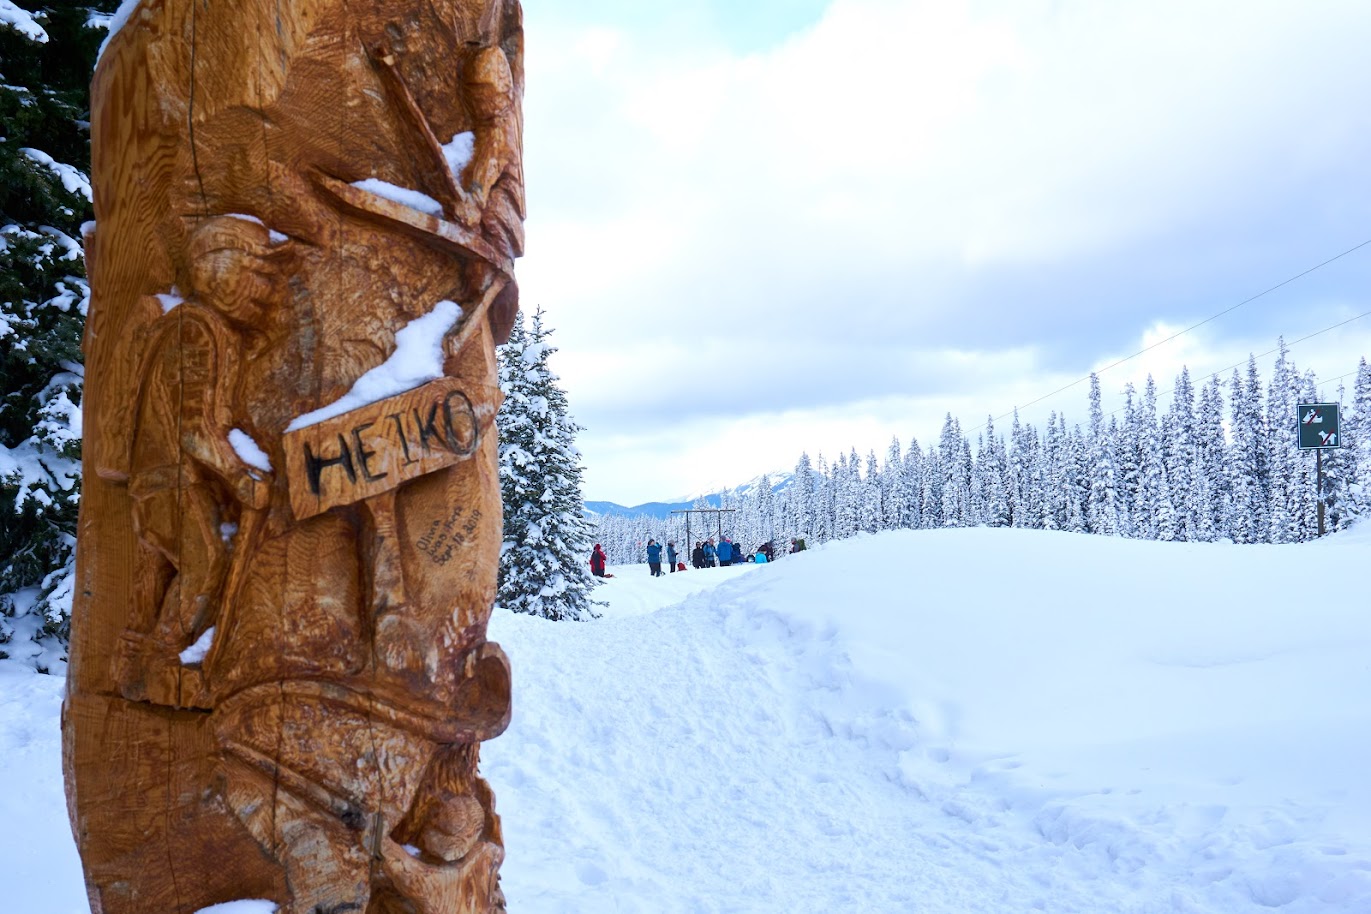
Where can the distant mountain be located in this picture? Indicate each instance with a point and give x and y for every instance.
(663, 509)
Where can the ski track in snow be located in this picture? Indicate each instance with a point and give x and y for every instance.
(820, 735)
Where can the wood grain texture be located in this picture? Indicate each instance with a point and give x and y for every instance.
(276, 695)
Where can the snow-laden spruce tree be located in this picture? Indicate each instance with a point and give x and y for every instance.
(1103, 513)
(47, 52)
(1358, 443)
(544, 568)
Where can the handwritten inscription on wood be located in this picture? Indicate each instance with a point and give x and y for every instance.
(375, 448)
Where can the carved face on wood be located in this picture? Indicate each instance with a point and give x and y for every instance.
(489, 85)
(238, 270)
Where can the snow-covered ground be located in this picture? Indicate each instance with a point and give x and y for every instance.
(935, 721)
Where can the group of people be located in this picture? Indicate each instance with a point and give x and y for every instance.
(705, 555)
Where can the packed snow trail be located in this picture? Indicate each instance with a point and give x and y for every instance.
(934, 721)
(951, 721)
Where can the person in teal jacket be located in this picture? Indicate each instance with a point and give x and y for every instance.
(709, 552)
(654, 557)
(671, 555)
(760, 558)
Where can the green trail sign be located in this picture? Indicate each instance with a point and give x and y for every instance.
(1318, 426)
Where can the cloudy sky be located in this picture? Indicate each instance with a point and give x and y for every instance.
(766, 226)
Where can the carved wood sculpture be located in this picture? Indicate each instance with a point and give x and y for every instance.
(307, 213)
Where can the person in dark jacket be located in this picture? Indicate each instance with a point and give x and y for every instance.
(597, 561)
(654, 557)
(725, 552)
(671, 555)
(709, 552)
(697, 555)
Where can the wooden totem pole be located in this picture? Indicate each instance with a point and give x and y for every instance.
(307, 213)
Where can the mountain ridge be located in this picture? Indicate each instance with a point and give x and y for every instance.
(663, 509)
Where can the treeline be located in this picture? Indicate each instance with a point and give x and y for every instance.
(1217, 462)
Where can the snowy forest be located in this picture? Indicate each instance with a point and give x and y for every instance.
(1217, 462)
(45, 195)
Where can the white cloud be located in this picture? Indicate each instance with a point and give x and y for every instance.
(906, 178)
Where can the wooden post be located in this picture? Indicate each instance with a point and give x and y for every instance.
(279, 677)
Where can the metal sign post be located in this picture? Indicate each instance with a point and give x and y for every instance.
(718, 516)
(1317, 430)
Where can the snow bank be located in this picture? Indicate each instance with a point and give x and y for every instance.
(949, 721)
(633, 591)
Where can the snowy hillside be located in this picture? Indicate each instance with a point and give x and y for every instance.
(977, 720)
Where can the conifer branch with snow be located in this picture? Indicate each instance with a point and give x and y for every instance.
(543, 561)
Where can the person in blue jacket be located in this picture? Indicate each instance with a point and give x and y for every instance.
(760, 558)
(709, 552)
(671, 555)
(725, 552)
(654, 557)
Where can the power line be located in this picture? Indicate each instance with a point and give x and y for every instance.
(1263, 355)
(1323, 384)
(1180, 333)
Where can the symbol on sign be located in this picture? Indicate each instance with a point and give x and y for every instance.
(1328, 439)
(1313, 416)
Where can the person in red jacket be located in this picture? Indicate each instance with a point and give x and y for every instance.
(597, 562)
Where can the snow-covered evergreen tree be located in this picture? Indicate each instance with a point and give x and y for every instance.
(1074, 476)
(912, 483)
(1209, 487)
(47, 52)
(956, 474)
(802, 500)
(995, 484)
(1021, 512)
(821, 510)
(1283, 459)
(1247, 466)
(1103, 515)
(1179, 454)
(1053, 483)
(543, 562)
(893, 491)
(932, 496)
(1357, 441)
(1151, 469)
(1129, 480)
(765, 527)
(871, 510)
